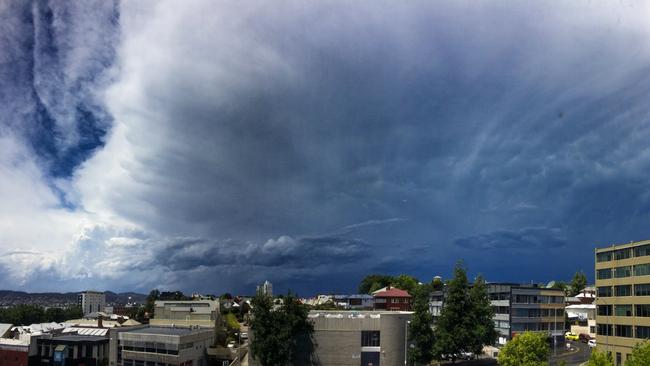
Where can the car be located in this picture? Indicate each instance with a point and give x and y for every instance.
(572, 337)
(466, 356)
(584, 337)
(231, 344)
(244, 335)
(591, 343)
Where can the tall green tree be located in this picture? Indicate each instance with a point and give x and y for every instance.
(405, 282)
(453, 333)
(640, 355)
(578, 283)
(527, 349)
(420, 330)
(480, 316)
(374, 282)
(598, 358)
(281, 336)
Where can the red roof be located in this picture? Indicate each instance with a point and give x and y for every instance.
(393, 292)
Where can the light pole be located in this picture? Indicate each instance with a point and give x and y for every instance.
(406, 330)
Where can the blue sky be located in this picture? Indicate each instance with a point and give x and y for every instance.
(212, 147)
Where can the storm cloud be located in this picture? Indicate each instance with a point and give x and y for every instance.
(160, 145)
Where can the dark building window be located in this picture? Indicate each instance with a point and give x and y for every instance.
(623, 290)
(370, 338)
(623, 310)
(604, 257)
(642, 251)
(604, 291)
(605, 310)
(623, 253)
(604, 329)
(642, 289)
(643, 332)
(624, 331)
(642, 270)
(643, 310)
(604, 274)
(622, 272)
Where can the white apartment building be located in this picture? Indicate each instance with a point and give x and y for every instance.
(92, 301)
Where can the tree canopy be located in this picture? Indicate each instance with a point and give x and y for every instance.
(463, 324)
(598, 358)
(420, 331)
(640, 355)
(578, 283)
(374, 282)
(527, 349)
(29, 314)
(282, 335)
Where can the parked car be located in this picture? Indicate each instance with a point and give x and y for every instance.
(584, 337)
(231, 344)
(572, 337)
(591, 343)
(244, 335)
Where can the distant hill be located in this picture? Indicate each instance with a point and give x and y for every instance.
(8, 298)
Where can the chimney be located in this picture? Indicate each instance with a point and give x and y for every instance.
(99, 322)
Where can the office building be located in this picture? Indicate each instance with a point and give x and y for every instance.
(91, 301)
(358, 338)
(265, 289)
(355, 301)
(623, 298)
(151, 345)
(71, 349)
(201, 313)
(519, 308)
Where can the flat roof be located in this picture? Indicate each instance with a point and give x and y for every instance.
(76, 338)
(631, 244)
(163, 331)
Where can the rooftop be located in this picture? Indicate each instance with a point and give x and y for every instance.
(162, 331)
(392, 292)
(76, 338)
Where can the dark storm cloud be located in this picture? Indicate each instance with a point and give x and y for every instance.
(473, 128)
(283, 253)
(526, 238)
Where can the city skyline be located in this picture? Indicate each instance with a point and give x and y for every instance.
(212, 147)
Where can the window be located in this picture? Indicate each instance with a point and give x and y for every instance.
(623, 310)
(623, 290)
(370, 338)
(604, 329)
(604, 291)
(623, 253)
(643, 332)
(604, 257)
(605, 310)
(642, 251)
(624, 331)
(642, 289)
(621, 272)
(643, 310)
(642, 270)
(603, 274)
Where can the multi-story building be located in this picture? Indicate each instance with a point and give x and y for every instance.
(359, 338)
(203, 313)
(623, 298)
(14, 352)
(265, 289)
(72, 349)
(392, 298)
(355, 301)
(91, 301)
(436, 302)
(519, 308)
(151, 345)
